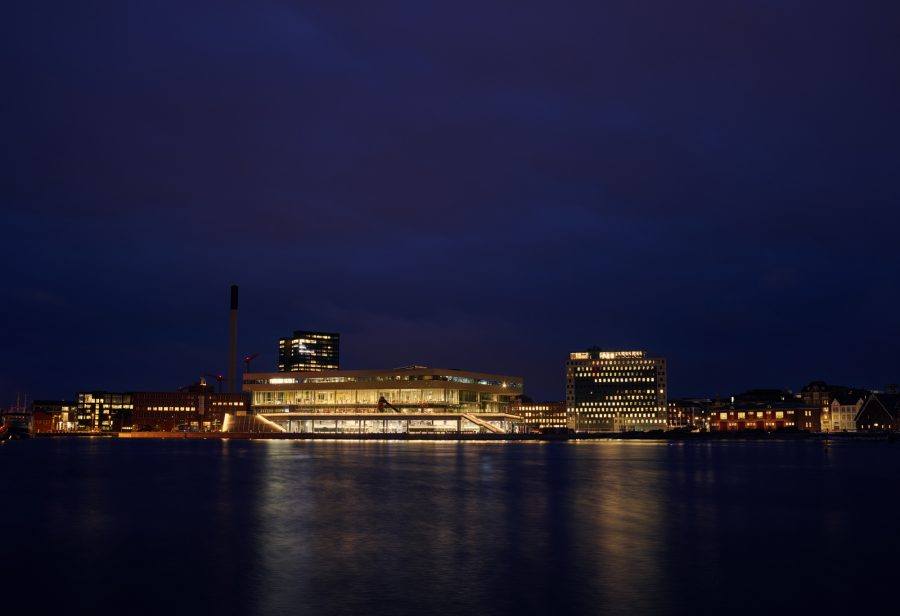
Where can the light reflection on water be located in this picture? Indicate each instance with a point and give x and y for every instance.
(274, 527)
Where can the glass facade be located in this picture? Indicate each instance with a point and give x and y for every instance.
(356, 399)
(393, 424)
(308, 351)
(416, 390)
(102, 411)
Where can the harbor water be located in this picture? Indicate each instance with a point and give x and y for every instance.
(98, 525)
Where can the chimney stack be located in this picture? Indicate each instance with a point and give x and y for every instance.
(232, 341)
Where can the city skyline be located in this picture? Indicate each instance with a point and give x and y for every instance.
(267, 360)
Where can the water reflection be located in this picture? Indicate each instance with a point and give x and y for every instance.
(620, 516)
(439, 526)
(283, 527)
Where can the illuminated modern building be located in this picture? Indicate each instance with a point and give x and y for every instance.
(541, 415)
(767, 417)
(309, 351)
(615, 391)
(414, 399)
(102, 411)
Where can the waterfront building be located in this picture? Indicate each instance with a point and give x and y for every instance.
(818, 393)
(613, 391)
(102, 411)
(881, 411)
(52, 416)
(308, 351)
(840, 414)
(688, 414)
(195, 409)
(836, 417)
(539, 416)
(767, 417)
(410, 399)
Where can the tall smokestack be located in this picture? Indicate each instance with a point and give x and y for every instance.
(232, 340)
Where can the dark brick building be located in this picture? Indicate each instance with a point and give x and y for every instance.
(196, 408)
(52, 416)
(880, 412)
(766, 417)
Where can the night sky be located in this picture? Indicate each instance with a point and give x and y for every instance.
(483, 185)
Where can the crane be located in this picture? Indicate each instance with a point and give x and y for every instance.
(247, 361)
(219, 378)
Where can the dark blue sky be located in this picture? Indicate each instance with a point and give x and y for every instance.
(485, 185)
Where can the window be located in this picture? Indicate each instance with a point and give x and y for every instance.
(410, 395)
(367, 396)
(391, 395)
(432, 395)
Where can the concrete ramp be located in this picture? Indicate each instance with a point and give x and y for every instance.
(484, 424)
(250, 424)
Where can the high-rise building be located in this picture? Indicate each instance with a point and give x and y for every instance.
(309, 351)
(615, 391)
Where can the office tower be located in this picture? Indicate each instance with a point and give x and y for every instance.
(615, 391)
